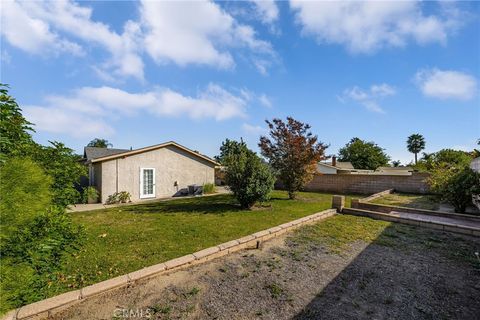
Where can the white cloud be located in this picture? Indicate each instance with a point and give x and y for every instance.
(29, 26)
(184, 33)
(90, 110)
(267, 10)
(265, 101)
(198, 32)
(368, 98)
(32, 34)
(446, 84)
(253, 130)
(367, 26)
(64, 121)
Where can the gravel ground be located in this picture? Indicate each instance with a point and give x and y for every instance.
(404, 272)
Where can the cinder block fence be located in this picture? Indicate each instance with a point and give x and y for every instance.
(368, 183)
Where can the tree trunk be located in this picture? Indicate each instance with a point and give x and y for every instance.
(291, 195)
(415, 158)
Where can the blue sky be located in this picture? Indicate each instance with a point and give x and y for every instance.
(141, 73)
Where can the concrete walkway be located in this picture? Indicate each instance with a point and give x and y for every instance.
(99, 206)
(443, 220)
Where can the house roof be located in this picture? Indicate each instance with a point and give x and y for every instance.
(327, 165)
(90, 153)
(340, 165)
(394, 169)
(154, 147)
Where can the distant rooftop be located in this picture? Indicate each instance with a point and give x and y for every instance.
(340, 165)
(394, 169)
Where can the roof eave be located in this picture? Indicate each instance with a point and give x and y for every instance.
(151, 148)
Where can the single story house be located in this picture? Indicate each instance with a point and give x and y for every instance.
(161, 170)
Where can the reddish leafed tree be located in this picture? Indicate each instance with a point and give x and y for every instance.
(293, 152)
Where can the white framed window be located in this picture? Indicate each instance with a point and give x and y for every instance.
(147, 183)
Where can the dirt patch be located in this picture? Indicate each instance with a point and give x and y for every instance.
(402, 272)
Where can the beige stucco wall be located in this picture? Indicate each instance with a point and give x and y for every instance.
(171, 164)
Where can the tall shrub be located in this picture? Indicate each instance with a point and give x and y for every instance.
(62, 164)
(249, 179)
(24, 193)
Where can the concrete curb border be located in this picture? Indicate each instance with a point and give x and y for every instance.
(45, 307)
(428, 224)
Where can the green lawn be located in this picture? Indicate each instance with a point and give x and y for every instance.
(124, 239)
(427, 202)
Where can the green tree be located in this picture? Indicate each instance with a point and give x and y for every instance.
(100, 143)
(249, 179)
(415, 144)
(396, 163)
(229, 147)
(445, 158)
(15, 130)
(293, 152)
(363, 154)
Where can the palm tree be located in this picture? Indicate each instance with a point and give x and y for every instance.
(415, 144)
(99, 143)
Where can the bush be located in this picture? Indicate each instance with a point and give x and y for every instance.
(248, 177)
(119, 197)
(24, 193)
(456, 186)
(208, 188)
(90, 195)
(32, 255)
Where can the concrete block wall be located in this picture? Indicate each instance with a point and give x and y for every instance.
(369, 183)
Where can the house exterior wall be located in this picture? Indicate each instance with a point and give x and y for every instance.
(171, 165)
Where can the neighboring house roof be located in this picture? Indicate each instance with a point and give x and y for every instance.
(155, 147)
(394, 169)
(90, 153)
(326, 165)
(339, 165)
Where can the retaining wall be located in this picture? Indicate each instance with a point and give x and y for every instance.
(363, 205)
(428, 224)
(369, 183)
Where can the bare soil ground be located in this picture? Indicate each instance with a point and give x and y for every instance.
(342, 268)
